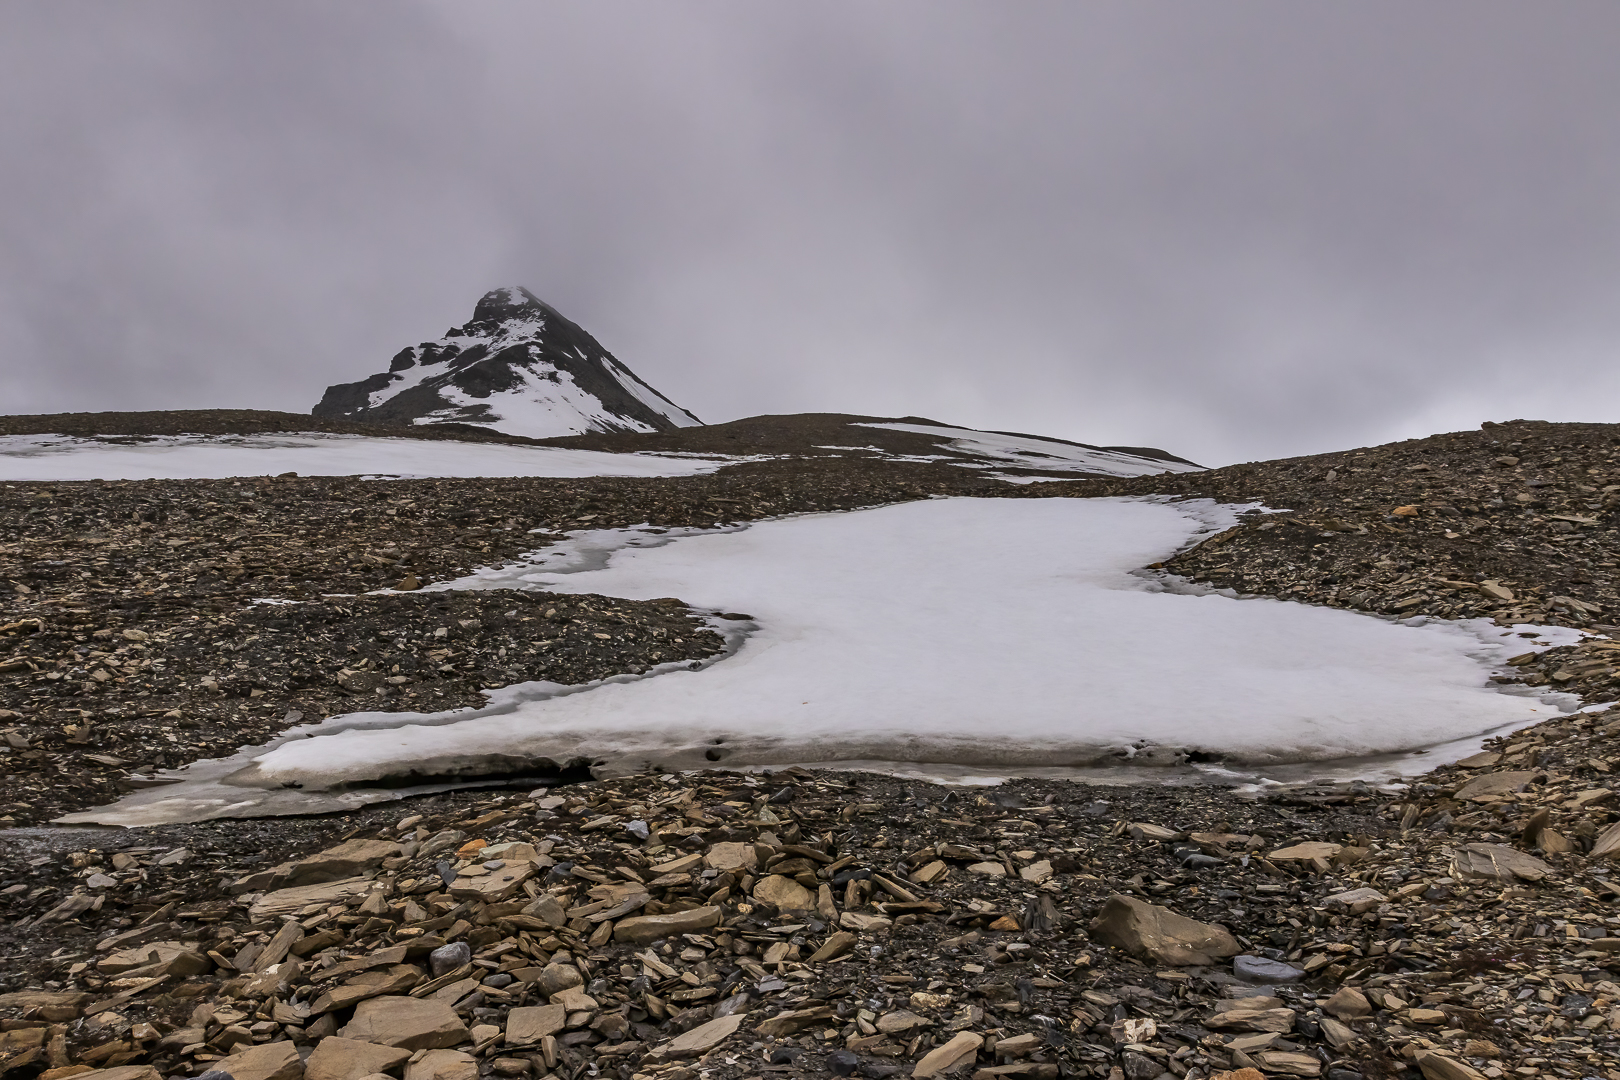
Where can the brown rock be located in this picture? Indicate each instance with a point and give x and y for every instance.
(163, 953)
(1494, 783)
(337, 1058)
(731, 856)
(1144, 929)
(645, 928)
(1498, 862)
(443, 1065)
(1348, 1003)
(410, 1023)
(290, 901)
(1607, 845)
(530, 1024)
(1439, 1067)
(267, 1061)
(347, 860)
(495, 886)
(784, 892)
(555, 978)
(123, 1072)
(834, 947)
(703, 1038)
(959, 1050)
(43, 999)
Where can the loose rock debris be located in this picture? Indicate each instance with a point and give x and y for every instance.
(804, 923)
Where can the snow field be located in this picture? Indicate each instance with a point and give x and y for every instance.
(218, 457)
(992, 633)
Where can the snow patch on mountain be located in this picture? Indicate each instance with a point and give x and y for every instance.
(519, 366)
(989, 449)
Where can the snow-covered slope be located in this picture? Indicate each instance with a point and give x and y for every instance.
(519, 367)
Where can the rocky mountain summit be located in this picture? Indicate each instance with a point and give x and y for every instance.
(518, 366)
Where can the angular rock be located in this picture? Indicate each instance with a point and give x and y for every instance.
(703, 1038)
(1348, 1003)
(336, 1058)
(267, 1061)
(1495, 783)
(1607, 845)
(528, 1025)
(170, 957)
(731, 856)
(409, 1023)
(291, 901)
(784, 892)
(940, 1059)
(447, 958)
(495, 886)
(122, 1072)
(555, 978)
(644, 928)
(1440, 1067)
(1258, 969)
(1496, 862)
(835, 946)
(1311, 852)
(1354, 901)
(1144, 929)
(346, 860)
(443, 1065)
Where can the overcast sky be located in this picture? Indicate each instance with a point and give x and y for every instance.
(1237, 230)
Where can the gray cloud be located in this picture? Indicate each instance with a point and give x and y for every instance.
(1236, 231)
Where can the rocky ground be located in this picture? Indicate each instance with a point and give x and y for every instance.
(740, 926)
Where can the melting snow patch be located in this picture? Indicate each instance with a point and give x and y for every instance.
(218, 457)
(990, 635)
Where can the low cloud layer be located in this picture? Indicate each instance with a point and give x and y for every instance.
(1236, 231)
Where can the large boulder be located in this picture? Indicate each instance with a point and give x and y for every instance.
(1144, 929)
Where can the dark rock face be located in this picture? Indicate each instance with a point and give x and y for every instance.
(518, 366)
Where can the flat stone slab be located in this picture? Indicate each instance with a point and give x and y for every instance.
(1496, 862)
(268, 1061)
(530, 1024)
(291, 901)
(1495, 783)
(644, 928)
(410, 1023)
(336, 1058)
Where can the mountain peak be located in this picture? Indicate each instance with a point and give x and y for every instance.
(518, 366)
(498, 305)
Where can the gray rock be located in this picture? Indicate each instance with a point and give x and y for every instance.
(1139, 1066)
(447, 958)
(1257, 969)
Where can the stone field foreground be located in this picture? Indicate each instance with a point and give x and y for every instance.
(800, 924)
